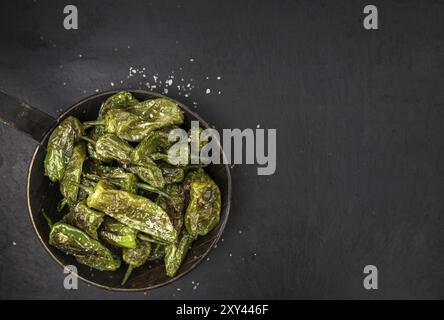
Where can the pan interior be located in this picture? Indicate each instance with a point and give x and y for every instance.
(43, 196)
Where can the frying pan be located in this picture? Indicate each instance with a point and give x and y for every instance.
(43, 195)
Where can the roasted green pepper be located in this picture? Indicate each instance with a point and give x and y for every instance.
(118, 234)
(85, 249)
(203, 211)
(170, 173)
(175, 254)
(60, 146)
(73, 173)
(136, 257)
(157, 252)
(132, 127)
(111, 147)
(122, 99)
(154, 143)
(174, 204)
(85, 218)
(132, 210)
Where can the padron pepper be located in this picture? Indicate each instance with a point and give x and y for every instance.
(132, 127)
(73, 173)
(136, 257)
(175, 254)
(174, 204)
(157, 252)
(124, 180)
(111, 147)
(60, 146)
(203, 211)
(170, 173)
(85, 249)
(135, 211)
(118, 234)
(85, 218)
(121, 99)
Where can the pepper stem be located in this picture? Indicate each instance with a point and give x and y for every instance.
(90, 124)
(87, 189)
(147, 187)
(127, 275)
(48, 219)
(87, 139)
(62, 204)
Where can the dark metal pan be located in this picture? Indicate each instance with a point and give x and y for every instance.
(43, 195)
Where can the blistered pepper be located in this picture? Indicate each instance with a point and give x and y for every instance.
(132, 210)
(111, 147)
(170, 173)
(73, 173)
(136, 257)
(85, 218)
(175, 254)
(132, 127)
(203, 211)
(60, 146)
(85, 249)
(174, 204)
(118, 234)
(122, 99)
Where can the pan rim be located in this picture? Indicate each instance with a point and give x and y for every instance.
(195, 263)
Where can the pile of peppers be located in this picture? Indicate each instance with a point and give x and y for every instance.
(122, 199)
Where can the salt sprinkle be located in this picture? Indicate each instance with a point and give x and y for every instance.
(169, 82)
(207, 91)
(208, 259)
(195, 287)
(165, 90)
(218, 78)
(231, 255)
(240, 231)
(14, 243)
(112, 84)
(207, 78)
(219, 92)
(258, 126)
(115, 49)
(80, 55)
(191, 60)
(64, 83)
(129, 47)
(178, 289)
(97, 90)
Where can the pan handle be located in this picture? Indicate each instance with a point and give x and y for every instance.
(23, 117)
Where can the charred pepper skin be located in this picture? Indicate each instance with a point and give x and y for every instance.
(85, 218)
(136, 257)
(73, 173)
(132, 127)
(174, 204)
(122, 99)
(133, 210)
(60, 146)
(203, 211)
(111, 147)
(85, 249)
(118, 234)
(175, 254)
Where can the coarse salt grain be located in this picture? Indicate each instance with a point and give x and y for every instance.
(208, 91)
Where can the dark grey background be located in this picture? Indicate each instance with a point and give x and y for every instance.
(360, 122)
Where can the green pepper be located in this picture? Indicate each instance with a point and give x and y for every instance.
(82, 193)
(60, 146)
(136, 257)
(118, 234)
(170, 173)
(132, 210)
(155, 142)
(94, 135)
(73, 173)
(111, 147)
(161, 111)
(203, 211)
(175, 254)
(85, 249)
(149, 174)
(132, 127)
(122, 99)
(174, 204)
(84, 218)
(121, 178)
